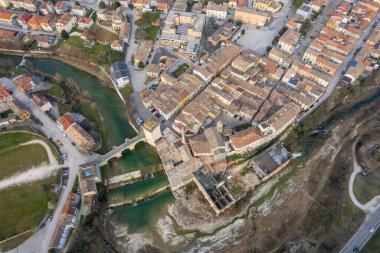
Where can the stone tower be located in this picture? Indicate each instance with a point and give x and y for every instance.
(152, 132)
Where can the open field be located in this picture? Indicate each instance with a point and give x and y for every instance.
(19, 158)
(25, 206)
(365, 188)
(13, 243)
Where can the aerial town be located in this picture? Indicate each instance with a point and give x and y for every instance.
(107, 106)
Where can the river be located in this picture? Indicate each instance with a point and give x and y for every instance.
(115, 118)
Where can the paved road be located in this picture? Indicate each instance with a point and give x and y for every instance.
(31, 32)
(137, 78)
(364, 233)
(39, 242)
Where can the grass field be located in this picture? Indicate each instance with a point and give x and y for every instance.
(180, 70)
(365, 188)
(25, 206)
(19, 158)
(15, 158)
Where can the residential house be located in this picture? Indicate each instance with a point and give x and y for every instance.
(29, 5)
(42, 103)
(61, 7)
(281, 58)
(120, 73)
(4, 3)
(47, 23)
(76, 133)
(223, 33)
(88, 176)
(163, 5)
(117, 19)
(141, 4)
(79, 10)
(117, 45)
(5, 96)
(295, 22)
(44, 41)
(6, 35)
(24, 82)
(85, 23)
(266, 5)
(252, 17)
(305, 10)
(23, 19)
(124, 32)
(143, 51)
(6, 17)
(46, 8)
(153, 70)
(66, 22)
(180, 6)
(288, 41)
(34, 22)
(218, 11)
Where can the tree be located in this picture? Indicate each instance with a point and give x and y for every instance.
(243, 32)
(268, 48)
(130, 6)
(133, 59)
(210, 26)
(77, 3)
(239, 22)
(102, 5)
(140, 65)
(64, 35)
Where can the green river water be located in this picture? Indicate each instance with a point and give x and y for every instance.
(143, 157)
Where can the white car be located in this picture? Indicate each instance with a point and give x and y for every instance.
(372, 230)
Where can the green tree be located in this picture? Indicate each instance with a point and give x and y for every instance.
(243, 32)
(305, 27)
(102, 5)
(298, 3)
(140, 65)
(133, 59)
(130, 6)
(210, 26)
(64, 35)
(239, 22)
(268, 48)
(77, 3)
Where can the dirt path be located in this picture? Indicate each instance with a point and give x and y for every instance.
(33, 174)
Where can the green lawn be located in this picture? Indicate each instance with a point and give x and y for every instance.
(126, 91)
(25, 206)
(74, 41)
(180, 70)
(16, 159)
(57, 91)
(365, 188)
(7, 140)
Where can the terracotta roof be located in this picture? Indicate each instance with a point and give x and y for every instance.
(5, 15)
(66, 121)
(245, 137)
(4, 94)
(24, 82)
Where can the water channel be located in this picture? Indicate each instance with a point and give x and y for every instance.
(143, 157)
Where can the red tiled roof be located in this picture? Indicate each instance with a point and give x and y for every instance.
(24, 82)
(4, 94)
(66, 121)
